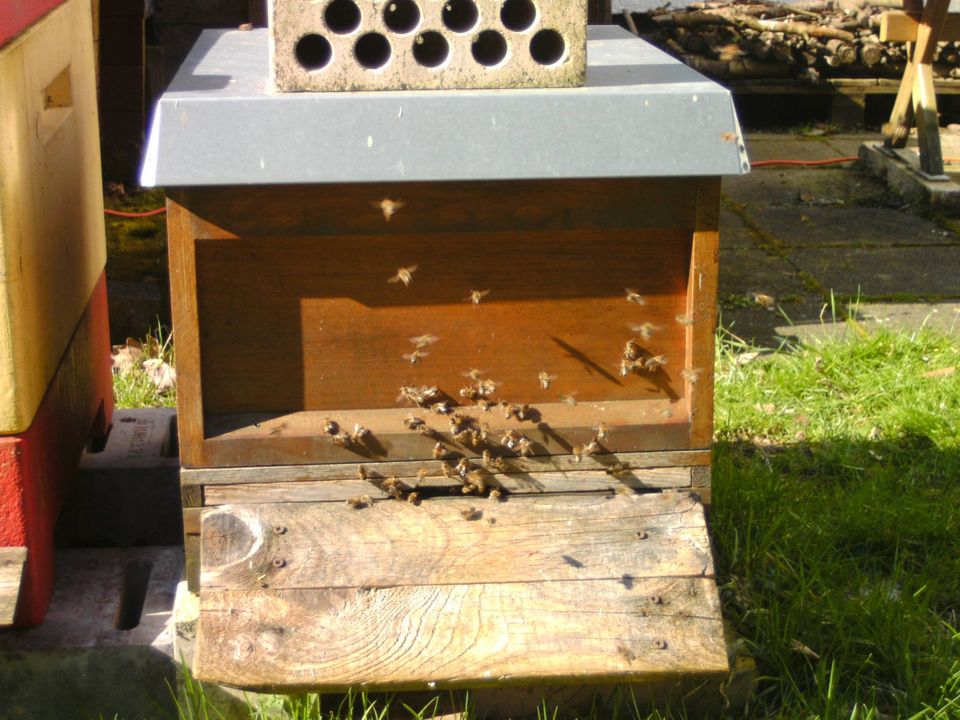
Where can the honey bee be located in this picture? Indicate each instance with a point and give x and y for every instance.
(394, 488)
(601, 431)
(463, 467)
(330, 427)
(415, 357)
(485, 404)
(438, 451)
(421, 474)
(473, 374)
(523, 411)
(411, 394)
(413, 498)
(545, 379)
(644, 329)
(441, 408)
(388, 207)
(577, 452)
(634, 297)
(428, 431)
(510, 438)
(362, 472)
(508, 409)
(691, 375)
(493, 462)
(359, 433)
(486, 388)
(422, 341)
(626, 367)
(484, 432)
(473, 483)
(652, 364)
(570, 398)
(631, 351)
(342, 439)
(496, 494)
(684, 319)
(618, 469)
(524, 447)
(404, 275)
(412, 422)
(361, 501)
(667, 412)
(448, 470)
(469, 392)
(470, 513)
(476, 296)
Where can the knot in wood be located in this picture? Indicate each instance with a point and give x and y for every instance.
(279, 530)
(642, 534)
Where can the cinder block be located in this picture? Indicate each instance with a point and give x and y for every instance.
(52, 249)
(106, 647)
(128, 493)
(426, 44)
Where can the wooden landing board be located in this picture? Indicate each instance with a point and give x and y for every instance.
(549, 589)
(12, 562)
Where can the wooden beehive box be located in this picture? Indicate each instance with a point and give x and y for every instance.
(386, 295)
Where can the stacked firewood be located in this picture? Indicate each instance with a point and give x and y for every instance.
(806, 41)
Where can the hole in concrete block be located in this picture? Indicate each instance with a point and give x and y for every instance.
(401, 16)
(431, 49)
(342, 16)
(133, 594)
(313, 52)
(548, 47)
(372, 51)
(489, 48)
(518, 15)
(461, 16)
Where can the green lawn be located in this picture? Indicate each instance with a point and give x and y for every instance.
(836, 526)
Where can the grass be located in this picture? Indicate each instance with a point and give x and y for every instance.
(133, 386)
(836, 529)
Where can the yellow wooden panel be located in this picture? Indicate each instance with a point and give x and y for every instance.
(51, 207)
(900, 27)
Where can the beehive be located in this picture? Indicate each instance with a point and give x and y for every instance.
(427, 44)
(55, 381)
(369, 308)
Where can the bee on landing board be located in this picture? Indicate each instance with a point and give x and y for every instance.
(545, 379)
(404, 275)
(361, 501)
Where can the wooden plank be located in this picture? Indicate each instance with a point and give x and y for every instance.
(210, 477)
(13, 560)
(389, 544)
(435, 637)
(900, 27)
(927, 121)
(518, 484)
(701, 311)
(183, 303)
(430, 208)
(300, 438)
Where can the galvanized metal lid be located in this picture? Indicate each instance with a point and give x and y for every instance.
(641, 114)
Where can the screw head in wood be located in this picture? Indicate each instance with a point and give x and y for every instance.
(656, 600)
(279, 562)
(279, 530)
(642, 534)
(660, 644)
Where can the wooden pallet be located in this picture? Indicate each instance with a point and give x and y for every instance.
(455, 591)
(848, 95)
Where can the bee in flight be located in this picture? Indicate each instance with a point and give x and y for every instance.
(644, 329)
(476, 296)
(422, 341)
(634, 297)
(388, 207)
(415, 357)
(545, 379)
(404, 275)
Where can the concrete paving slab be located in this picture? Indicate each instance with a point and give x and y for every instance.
(782, 146)
(811, 225)
(872, 317)
(884, 272)
(82, 663)
(733, 232)
(791, 186)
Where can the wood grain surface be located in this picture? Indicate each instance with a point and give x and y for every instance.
(434, 637)
(550, 537)
(513, 484)
(12, 562)
(560, 588)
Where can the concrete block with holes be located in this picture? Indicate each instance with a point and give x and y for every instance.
(352, 45)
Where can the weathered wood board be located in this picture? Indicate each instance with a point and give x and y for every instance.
(557, 588)
(52, 249)
(13, 560)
